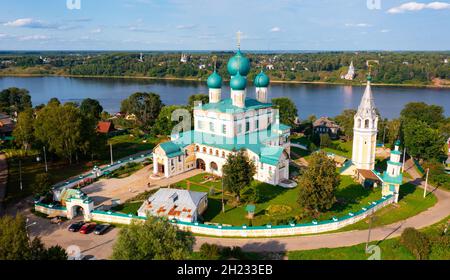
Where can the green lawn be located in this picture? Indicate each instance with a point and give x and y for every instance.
(340, 148)
(301, 139)
(411, 203)
(391, 249)
(58, 170)
(128, 207)
(351, 198)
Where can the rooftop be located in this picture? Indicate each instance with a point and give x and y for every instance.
(226, 106)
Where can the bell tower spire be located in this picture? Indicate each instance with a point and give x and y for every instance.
(365, 131)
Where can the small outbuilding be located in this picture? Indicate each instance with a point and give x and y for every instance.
(182, 205)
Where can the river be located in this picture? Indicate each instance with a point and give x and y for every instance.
(320, 100)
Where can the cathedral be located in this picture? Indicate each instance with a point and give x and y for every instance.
(226, 125)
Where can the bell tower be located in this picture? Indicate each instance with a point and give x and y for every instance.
(365, 131)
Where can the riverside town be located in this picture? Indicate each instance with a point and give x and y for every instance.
(200, 132)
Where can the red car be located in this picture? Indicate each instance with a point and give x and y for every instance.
(87, 228)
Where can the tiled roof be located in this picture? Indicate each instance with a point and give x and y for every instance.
(104, 127)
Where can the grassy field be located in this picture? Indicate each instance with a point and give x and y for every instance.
(411, 202)
(340, 148)
(128, 207)
(391, 249)
(278, 205)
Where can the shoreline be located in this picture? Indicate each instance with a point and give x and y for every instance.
(203, 80)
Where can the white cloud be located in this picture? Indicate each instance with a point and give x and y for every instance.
(96, 30)
(415, 6)
(189, 26)
(29, 23)
(385, 30)
(33, 38)
(358, 25)
(275, 29)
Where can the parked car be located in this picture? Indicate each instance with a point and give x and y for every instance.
(101, 229)
(87, 228)
(76, 226)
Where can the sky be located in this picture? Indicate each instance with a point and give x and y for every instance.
(266, 25)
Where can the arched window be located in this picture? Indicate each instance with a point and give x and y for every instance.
(204, 150)
(366, 124)
(214, 166)
(359, 123)
(210, 151)
(217, 153)
(197, 148)
(223, 154)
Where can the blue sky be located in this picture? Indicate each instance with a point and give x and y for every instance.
(212, 25)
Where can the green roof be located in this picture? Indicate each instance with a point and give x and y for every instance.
(254, 142)
(271, 155)
(394, 163)
(171, 149)
(395, 152)
(284, 127)
(393, 180)
(226, 106)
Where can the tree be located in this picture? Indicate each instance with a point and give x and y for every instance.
(156, 239)
(346, 121)
(393, 128)
(24, 130)
(204, 98)
(91, 108)
(250, 194)
(145, 106)
(14, 243)
(416, 242)
(14, 100)
(238, 173)
(422, 141)
(42, 184)
(288, 110)
(432, 115)
(325, 140)
(164, 123)
(210, 252)
(60, 128)
(318, 184)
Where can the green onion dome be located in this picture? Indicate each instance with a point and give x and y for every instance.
(214, 80)
(238, 82)
(238, 63)
(261, 80)
(397, 143)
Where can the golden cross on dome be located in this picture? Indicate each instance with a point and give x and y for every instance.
(239, 34)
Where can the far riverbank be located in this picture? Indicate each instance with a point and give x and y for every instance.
(203, 80)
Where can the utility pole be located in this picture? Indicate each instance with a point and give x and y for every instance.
(110, 151)
(370, 229)
(426, 184)
(404, 159)
(223, 202)
(45, 160)
(384, 133)
(20, 174)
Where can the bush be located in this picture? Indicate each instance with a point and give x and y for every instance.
(210, 251)
(416, 242)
